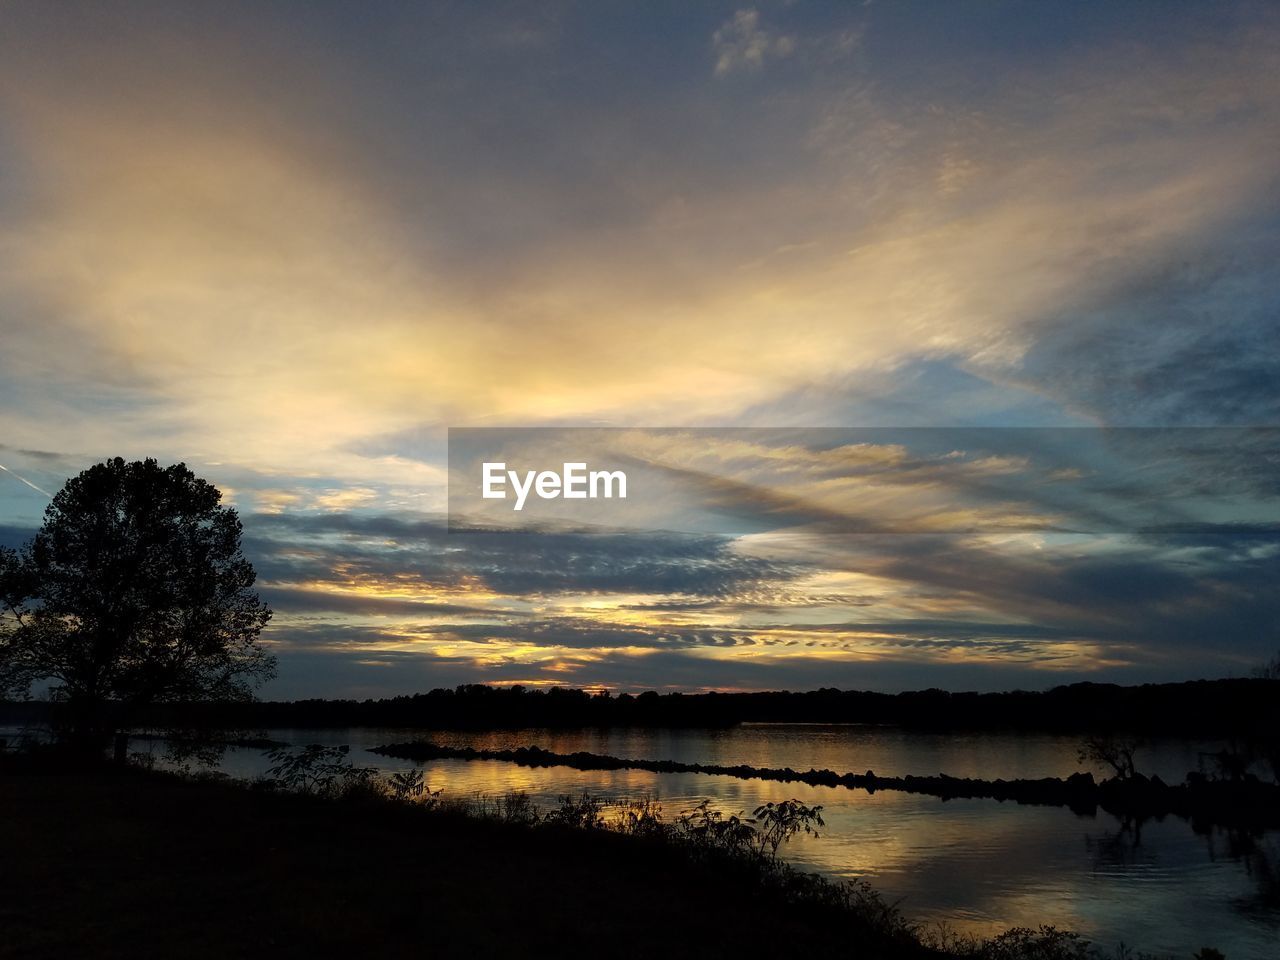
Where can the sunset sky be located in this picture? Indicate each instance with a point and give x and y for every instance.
(292, 244)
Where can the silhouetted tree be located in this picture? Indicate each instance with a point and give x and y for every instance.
(14, 588)
(1112, 751)
(1269, 670)
(133, 592)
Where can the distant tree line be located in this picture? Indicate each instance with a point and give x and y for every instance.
(1219, 708)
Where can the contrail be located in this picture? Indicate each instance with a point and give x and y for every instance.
(26, 481)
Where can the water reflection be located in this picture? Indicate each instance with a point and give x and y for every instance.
(1120, 849)
(1259, 853)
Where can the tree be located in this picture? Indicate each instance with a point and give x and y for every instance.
(1112, 751)
(1269, 670)
(133, 592)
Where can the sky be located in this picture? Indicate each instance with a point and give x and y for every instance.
(294, 244)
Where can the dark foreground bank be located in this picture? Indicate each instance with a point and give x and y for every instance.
(121, 862)
(130, 864)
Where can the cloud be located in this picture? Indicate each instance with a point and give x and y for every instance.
(275, 281)
(1148, 600)
(291, 251)
(343, 500)
(299, 601)
(1186, 342)
(42, 456)
(741, 43)
(422, 554)
(899, 480)
(1097, 607)
(276, 501)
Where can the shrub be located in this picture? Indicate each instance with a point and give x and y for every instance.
(641, 818)
(317, 769)
(708, 827)
(516, 807)
(582, 812)
(776, 823)
(1043, 943)
(411, 786)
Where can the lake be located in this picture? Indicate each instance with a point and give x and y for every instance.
(977, 866)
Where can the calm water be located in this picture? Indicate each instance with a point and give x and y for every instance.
(976, 865)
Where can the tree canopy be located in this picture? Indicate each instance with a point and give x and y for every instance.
(134, 591)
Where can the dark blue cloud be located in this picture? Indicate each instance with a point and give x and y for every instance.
(1189, 342)
(299, 548)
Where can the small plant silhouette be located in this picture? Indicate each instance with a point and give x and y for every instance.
(582, 812)
(516, 807)
(317, 769)
(1043, 943)
(776, 823)
(640, 818)
(408, 784)
(708, 826)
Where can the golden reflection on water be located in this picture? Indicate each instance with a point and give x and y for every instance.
(977, 866)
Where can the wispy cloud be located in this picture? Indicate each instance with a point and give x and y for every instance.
(743, 43)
